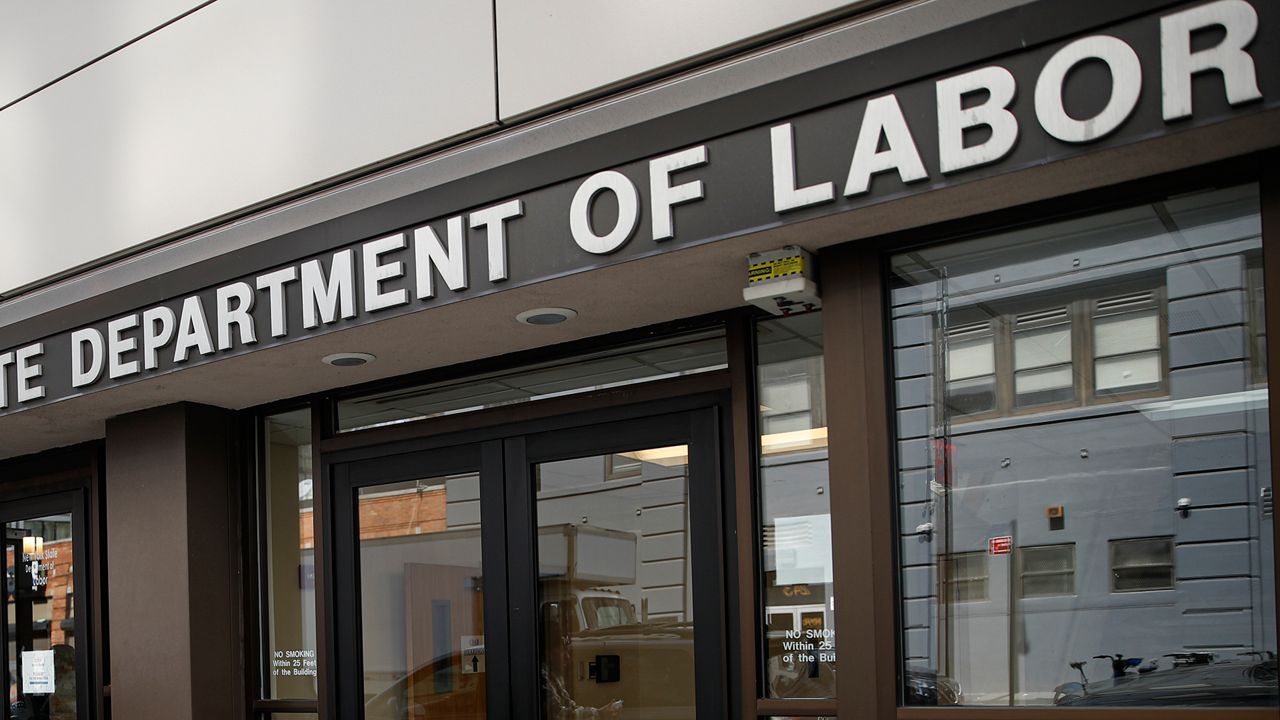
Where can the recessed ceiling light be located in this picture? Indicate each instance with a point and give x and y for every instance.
(347, 359)
(546, 316)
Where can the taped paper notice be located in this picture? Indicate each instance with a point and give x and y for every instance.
(37, 672)
(472, 654)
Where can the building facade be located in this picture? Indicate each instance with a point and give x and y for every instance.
(573, 360)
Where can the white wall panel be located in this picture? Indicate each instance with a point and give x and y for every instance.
(41, 41)
(234, 104)
(549, 50)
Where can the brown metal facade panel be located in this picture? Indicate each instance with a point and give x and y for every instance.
(861, 490)
(1270, 190)
(322, 421)
(1057, 713)
(818, 708)
(741, 346)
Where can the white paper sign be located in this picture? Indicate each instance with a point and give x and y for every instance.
(37, 672)
(472, 654)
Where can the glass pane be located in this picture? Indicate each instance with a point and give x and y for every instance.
(1048, 570)
(422, 599)
(1127, 553)
(42, 633)
(969, 397)
(799, 622)
(1138, 565)
(1071, 608)
(970, 358)
(1127, 333)
(1128, 372)
(1035, 381)
(289, 577)
(668, 357)
(1038, 348)
(615, 587)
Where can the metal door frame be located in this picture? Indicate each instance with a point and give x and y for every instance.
(504, 456)
(75, 503)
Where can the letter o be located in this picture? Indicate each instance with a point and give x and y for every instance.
(628, 212)
(1126, 86)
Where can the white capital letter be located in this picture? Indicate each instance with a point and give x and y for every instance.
(430, 253)
(628, 212)
(323, 298)
(157, 331)
(82, 340)
(786, 196)
(28, 371)
(1126, 86)
(662, 195)
(375, 273)
(1178, 63)
(239, 315)
(118, 345)
(883, 116)
(954, 118)
(273, 283)
(493, 220)
(6, 360)
(193, 331)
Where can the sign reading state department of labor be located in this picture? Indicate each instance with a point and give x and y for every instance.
(1192, 65)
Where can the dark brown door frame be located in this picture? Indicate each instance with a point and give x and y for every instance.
(71, 478)
(700, 396)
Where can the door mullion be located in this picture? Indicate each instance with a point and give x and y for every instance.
(522, 582)
(707, 553)
(493, 524)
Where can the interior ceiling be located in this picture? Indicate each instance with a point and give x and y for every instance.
(677, 284)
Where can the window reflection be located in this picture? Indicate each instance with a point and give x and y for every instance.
(422, 599)
(1082, 518)
(40, 680)
(799, 619)
(289, 573)
(615, 585)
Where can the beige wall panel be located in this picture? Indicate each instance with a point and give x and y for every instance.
(549, 50)
(234, 104)
(41, 41)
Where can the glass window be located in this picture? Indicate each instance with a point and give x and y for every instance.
(422, 598)
(966, 576)
(798, 617)
(1145, 564)
(671, 356)
(971, 368)
(41, 638)
(1047, 570)
(615, 587)
(1085, 526)
(289, 574)
(1042, 357)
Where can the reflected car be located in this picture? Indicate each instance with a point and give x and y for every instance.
(1188, 680)
(438, 689)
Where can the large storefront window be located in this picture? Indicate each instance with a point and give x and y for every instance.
(1083, 462)
(799, 618)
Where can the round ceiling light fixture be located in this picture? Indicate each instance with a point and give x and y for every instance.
(348, 359)
(546, 316)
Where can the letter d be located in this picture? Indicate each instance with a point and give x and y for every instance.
(80, 374)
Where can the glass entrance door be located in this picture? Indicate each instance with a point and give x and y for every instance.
(42, 651)
(560, 573)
